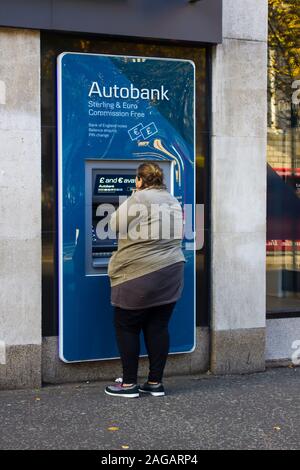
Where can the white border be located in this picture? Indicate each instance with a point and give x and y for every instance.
(60, 206)
(59, 192)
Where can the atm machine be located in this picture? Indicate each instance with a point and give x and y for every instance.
(101, 142)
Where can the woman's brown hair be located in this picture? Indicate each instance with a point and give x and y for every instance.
(152, 175)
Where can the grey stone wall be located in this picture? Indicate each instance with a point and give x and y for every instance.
(56, 371)
(20, 209)
(239, 189)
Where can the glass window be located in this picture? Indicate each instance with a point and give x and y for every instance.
(283, 159)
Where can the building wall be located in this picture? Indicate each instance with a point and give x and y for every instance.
(56, 371)
(238, 246)
(20, 209)
(239, 137)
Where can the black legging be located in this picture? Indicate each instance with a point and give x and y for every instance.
(153, 322)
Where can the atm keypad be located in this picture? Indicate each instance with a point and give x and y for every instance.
(102, 254)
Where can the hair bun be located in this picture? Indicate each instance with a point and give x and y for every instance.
(151, 175)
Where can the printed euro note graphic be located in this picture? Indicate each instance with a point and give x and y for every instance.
(142, 131)
(135, 132)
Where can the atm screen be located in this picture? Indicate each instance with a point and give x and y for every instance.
(114, 184)
(107, 187)
(98, 243)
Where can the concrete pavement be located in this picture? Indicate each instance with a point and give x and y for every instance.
(258, 411)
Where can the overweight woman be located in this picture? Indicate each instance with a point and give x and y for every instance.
(146, 277)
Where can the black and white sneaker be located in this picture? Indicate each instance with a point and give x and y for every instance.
(156, 390)
(120, 391)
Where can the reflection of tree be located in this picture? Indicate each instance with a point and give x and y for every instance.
(283, 115)
(284, 60)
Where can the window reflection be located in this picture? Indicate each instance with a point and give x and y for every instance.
(283, 158)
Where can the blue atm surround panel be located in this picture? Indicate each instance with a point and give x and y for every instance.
(115, 112)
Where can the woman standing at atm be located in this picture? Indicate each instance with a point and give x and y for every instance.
(146, 276)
